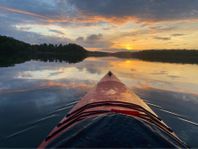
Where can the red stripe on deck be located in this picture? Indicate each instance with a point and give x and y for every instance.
(127, 112)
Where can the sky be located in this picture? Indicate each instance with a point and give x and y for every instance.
(105, 25)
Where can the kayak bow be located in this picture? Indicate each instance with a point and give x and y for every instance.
(108, 108)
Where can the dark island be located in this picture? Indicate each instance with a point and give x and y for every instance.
(13, 51)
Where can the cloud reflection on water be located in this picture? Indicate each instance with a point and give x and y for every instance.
(135, 73)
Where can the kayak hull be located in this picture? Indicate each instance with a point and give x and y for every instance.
(109, 96)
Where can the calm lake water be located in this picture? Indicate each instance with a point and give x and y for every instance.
(35, 95)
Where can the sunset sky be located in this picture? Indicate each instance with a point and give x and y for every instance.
(108, 25)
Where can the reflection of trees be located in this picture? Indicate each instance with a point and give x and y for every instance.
(13, 52)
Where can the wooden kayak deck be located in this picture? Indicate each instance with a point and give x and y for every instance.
(110, 88)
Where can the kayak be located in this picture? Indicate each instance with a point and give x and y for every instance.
(111, 115)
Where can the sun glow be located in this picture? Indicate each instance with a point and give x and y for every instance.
(124, 43)
(128, 47)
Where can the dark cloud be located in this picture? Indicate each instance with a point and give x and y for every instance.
(136, 32)
(142, 9)
(163, 28)
(150, 30)
(94, 37)
(35, 38)
(173, 76)
(113, 10)
(24, 28)
(56, 31)
(47, 8)
(162, 38)
(93, 41)
(177, 34)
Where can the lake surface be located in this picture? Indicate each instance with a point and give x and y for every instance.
(35, 95)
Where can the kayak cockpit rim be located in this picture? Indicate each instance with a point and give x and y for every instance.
(133, 110)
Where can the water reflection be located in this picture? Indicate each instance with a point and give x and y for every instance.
(35, 95)
(173, 77)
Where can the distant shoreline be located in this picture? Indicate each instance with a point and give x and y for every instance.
(13, 51)
(166, 56)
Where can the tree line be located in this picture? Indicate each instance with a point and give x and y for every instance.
(13, 51)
